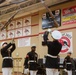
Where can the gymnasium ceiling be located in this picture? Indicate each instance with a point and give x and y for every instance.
(5, 4)
(8, 6)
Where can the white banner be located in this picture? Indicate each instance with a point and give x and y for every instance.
(26, 31)
(66, 42)
(18, 32)
(19, 23)
(3, 35)
(22, 42)
(11, 25)
(11, 34)
(27, 21)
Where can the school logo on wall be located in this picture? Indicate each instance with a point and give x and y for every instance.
(66, 42)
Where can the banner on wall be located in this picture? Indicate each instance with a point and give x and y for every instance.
(27, 21)
(18, 32)
(11, 34)
(66, 42)
(18, 28)
(48, 22)
(22, 42)
(26, 31)
(3, 35)
(11, 25)
(69, 15)
(19, 23)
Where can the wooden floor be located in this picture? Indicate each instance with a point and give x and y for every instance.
(15, 74)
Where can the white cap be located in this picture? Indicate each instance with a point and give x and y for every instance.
(69, 52)
(33, 45)
(56, 34)
(3, 42)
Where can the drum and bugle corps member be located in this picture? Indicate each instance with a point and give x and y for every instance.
(54, 48)
(31, 61)
(6, 52)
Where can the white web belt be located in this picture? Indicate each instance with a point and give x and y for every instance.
(7, 58)
(51, 56)
(31, 61)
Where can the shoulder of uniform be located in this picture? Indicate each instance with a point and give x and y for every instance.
(27, 55)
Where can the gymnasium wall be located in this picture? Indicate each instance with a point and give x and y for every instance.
(36, 34)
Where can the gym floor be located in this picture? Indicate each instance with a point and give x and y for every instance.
(14, 74)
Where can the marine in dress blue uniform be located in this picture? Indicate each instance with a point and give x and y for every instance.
(31, 61)
(54, 48)
(6, 52)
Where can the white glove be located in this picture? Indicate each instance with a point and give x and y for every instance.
(26, 71)
(49, 30)
(65, 70)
